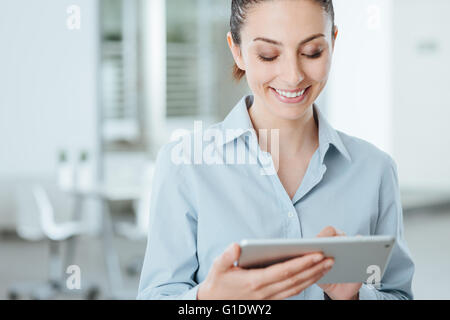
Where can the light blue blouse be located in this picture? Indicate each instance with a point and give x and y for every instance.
(198, 208)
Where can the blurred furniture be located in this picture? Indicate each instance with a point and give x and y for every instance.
(36, 221)
(106, 194)
(141, 205)
(138, 230)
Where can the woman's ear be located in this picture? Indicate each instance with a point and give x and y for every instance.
(235, 51)
(336, 32)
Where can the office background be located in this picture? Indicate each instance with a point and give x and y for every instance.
(85, 107)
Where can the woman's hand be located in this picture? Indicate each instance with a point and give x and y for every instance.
(339, 291)
(279, 281)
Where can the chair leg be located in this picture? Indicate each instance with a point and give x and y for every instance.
(71, 243)
(55, 263)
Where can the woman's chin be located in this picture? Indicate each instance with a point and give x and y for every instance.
(289, 112)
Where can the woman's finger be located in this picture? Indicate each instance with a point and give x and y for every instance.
(296, 280)
(284, 270)
(328, 231)
(226, 260)
(293, 291)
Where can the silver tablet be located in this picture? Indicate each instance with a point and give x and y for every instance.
(356, 259)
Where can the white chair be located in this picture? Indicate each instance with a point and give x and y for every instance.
(36, 221)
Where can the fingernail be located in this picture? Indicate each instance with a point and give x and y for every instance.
(317, 258)
(329, 263)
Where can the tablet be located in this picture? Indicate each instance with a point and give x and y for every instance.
(356, 259)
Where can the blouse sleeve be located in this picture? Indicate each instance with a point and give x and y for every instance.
(397, 279)
(170, 262)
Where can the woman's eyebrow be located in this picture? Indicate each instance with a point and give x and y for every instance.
(315, 36)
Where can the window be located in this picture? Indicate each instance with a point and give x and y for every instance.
(121, 124)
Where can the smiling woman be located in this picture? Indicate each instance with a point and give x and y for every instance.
(281, 65)
(326, 181)
(237, 20)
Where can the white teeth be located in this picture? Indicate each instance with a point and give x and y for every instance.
(290, 94)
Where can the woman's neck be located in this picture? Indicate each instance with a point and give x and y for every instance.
(295, 136)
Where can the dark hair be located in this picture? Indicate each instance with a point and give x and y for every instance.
(239, 9)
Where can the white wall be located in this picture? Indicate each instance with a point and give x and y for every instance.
(48, 88)
(359, 93)
(421, 113)
(389, 84)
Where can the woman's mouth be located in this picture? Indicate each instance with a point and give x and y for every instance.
(290, 97)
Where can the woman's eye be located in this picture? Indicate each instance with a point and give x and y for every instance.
(309, 56)
(266, 59)
(314, 56)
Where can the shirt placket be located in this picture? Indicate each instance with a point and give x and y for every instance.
(291, 216)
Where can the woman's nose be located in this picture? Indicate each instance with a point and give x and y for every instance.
(292, 73)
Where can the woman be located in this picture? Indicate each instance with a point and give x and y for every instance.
(324, 180)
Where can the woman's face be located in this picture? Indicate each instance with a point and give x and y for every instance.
(286, 46)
